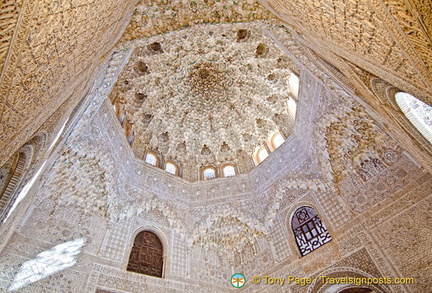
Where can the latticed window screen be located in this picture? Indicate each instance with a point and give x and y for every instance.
(309, 230)
(147, 255)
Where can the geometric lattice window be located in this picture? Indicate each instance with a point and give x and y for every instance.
(147, 255)
(309, 230)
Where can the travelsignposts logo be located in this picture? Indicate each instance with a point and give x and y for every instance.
(238, 280)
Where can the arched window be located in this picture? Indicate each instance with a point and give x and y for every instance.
(292, 106)
(229, 171)
(310, 232)
(147, 255)
(120, 111)
(417, 112)
(151, 159)
(171, 168)
(209, 173)
(260, 155)
(294, 84)
(277, 140)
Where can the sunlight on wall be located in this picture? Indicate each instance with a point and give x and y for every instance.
(47, 263)
(58, 135)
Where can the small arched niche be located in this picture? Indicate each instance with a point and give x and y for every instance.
(146, 256)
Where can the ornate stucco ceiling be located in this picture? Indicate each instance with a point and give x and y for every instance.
(151, 18)
(204, 92)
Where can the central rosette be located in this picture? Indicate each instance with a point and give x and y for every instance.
(209, 85)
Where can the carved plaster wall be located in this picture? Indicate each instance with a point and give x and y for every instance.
(375, 35)
(47, 52)
(96, 189)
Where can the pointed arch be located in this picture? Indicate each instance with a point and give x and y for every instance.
(16, 171)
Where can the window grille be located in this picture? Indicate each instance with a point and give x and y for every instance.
(310, 232)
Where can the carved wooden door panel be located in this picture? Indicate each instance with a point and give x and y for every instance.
(147, 255)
